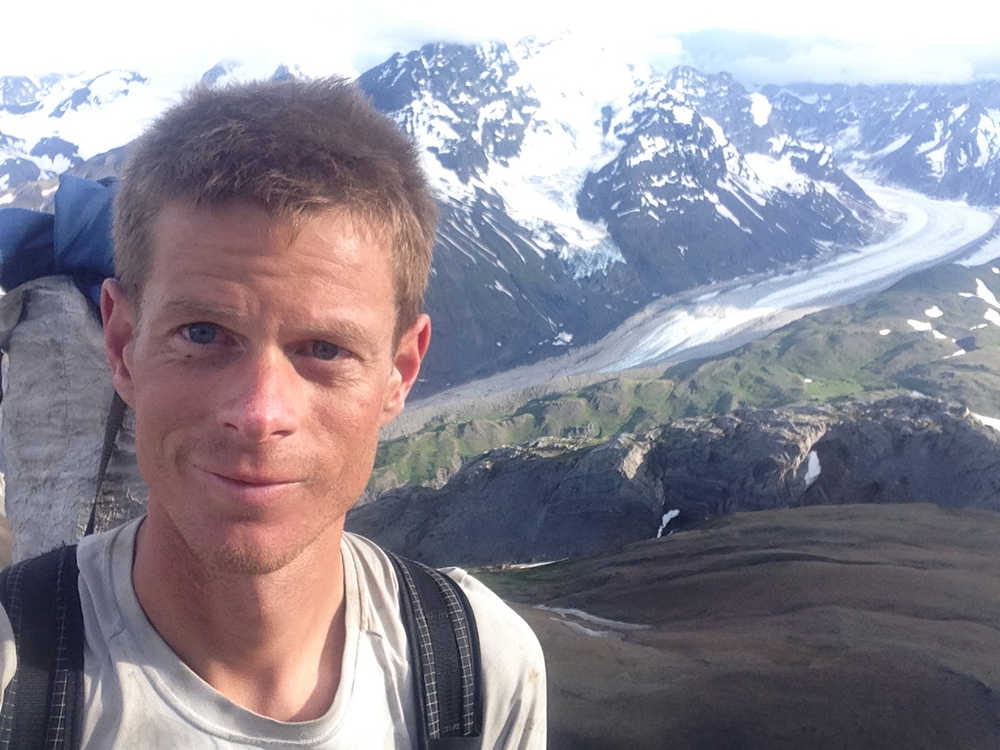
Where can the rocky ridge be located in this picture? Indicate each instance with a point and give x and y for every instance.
(556, 498)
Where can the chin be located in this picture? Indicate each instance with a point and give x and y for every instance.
(252, 549)
(251, 560)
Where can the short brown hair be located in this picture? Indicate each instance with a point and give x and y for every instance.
(294, 147)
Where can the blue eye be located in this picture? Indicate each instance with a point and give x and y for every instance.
(325, 350)
(200, 333)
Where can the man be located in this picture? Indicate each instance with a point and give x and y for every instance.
(272, 243)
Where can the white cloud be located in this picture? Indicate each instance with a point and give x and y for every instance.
(851, 62)
(852, 40)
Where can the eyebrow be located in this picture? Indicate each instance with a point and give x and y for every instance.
(190, 307)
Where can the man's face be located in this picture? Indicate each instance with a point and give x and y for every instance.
(260, 369)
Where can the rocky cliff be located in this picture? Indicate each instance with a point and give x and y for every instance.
(558, 498)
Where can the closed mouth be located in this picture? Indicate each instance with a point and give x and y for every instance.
(253, 481)
(249, 480)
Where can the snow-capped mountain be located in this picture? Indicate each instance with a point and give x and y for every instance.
(941, 140)
(754, 200)
(574, 192)
(575, 184)
(53, 124)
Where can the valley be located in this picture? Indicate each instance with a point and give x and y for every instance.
(712, 320)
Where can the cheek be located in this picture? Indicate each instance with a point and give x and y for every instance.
(347, 426)
(163, 414)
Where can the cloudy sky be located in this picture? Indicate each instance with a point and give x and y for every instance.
(768, 41)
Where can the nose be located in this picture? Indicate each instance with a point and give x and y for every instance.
(264, 399)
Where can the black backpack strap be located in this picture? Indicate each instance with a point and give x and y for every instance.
(116, 415)
(42, 602)
(444, 654)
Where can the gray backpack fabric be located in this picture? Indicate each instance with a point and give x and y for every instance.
(56, 398)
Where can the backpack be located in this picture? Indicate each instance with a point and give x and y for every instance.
(53, 266)
(56, 382)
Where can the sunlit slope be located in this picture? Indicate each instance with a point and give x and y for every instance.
(936, 332)
(828, 627)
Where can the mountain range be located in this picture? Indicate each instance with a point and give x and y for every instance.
(576, 186)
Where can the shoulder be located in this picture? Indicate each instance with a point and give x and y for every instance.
(507, 640)
(496, 621)
(514, 688)
(513, 666)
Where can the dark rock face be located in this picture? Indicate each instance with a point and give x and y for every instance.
(558, 498)
(469, 82)
(217, 71)
(18, 172)
(18, 94)
(282, 73)
(497, 300)
(53, 147)
(108, 164)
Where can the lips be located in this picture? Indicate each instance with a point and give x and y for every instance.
(252, 480)
(248, 488)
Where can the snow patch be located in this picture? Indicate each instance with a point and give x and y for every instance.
(777, 173)
(683, 115)
(988, 421)
(667, 518)
(933, 312)
(582, 629)
(984, 293)
(919, 325)
(885, 332)
(593, 619)
(502, 289)
(813, 469)
(894, 146)
(5, 199)
(993, 317)
(760, 109)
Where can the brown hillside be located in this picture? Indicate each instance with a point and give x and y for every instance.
(874, 626)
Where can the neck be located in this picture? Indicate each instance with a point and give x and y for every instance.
(271, 642)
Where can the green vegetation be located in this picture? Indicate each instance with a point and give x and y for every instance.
(832, 354)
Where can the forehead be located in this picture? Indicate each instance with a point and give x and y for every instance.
(325, 256)
(244, 228)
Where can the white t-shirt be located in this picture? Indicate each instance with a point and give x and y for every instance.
(139, 694)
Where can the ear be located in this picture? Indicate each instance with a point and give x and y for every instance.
(405, 367)
(118, 317)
